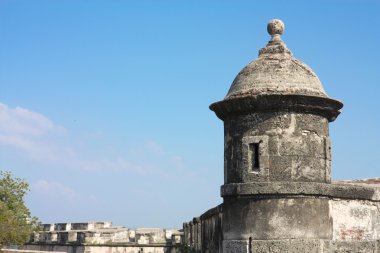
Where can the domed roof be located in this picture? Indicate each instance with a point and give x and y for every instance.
(276, 72)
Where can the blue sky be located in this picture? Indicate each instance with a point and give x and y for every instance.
(104, 104)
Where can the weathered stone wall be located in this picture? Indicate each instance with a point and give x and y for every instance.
(131, 249)
(103, 233)
(301, 246)
(291, 217)
(76, 226)
(204, 233)
(103, 248)
(355, 220)
(276, 218)
(23, 251)
(211, 226)
(101, 237)
(292, 147)
(55, 248)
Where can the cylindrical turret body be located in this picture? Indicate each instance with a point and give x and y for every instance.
(276, 146)
(276, 149)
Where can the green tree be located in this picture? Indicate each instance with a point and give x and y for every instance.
(16, 222)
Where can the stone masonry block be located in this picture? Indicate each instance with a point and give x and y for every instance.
(270, 246)
(235, 246)
(366, 247)
(309, 246)
(350, 247)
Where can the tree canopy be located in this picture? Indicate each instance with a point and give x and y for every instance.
(16, 222)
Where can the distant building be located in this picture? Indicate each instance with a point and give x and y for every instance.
(101, 237)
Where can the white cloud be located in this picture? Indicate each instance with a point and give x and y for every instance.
(53, 198)
(27, 131)
(21, 121)
(36, 137)
(153, 147)
(54, 190)
(177, 161)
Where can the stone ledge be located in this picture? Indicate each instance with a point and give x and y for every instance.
(300, 245)
(262, 189)
(106, 244)
(211, 212)
(370, 182)
(323, 106)
(25, 251)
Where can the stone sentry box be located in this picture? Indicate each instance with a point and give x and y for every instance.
(277, 192)
(276, 119)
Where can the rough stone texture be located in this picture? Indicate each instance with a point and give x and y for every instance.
(211, 227)
(310, 246)
(208, 237)
(277, 103)
(355, 223)
(314, 246)
(54, 247)
(196, 234)
(2, 250)
(325, 107)
(275, 27)
(300, 246)
(275, 246)
(350, 247)
(102, 233)
(236, 246)
(102, 248)
(344, 191)
(355, 219)
(369, 182)
(267, 219)
(293, 147)
(276, 72)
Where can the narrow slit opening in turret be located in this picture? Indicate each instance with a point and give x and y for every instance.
(254, 154)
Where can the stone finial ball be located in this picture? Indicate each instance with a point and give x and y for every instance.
(275, 26)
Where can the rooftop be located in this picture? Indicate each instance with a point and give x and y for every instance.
(276, 71)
